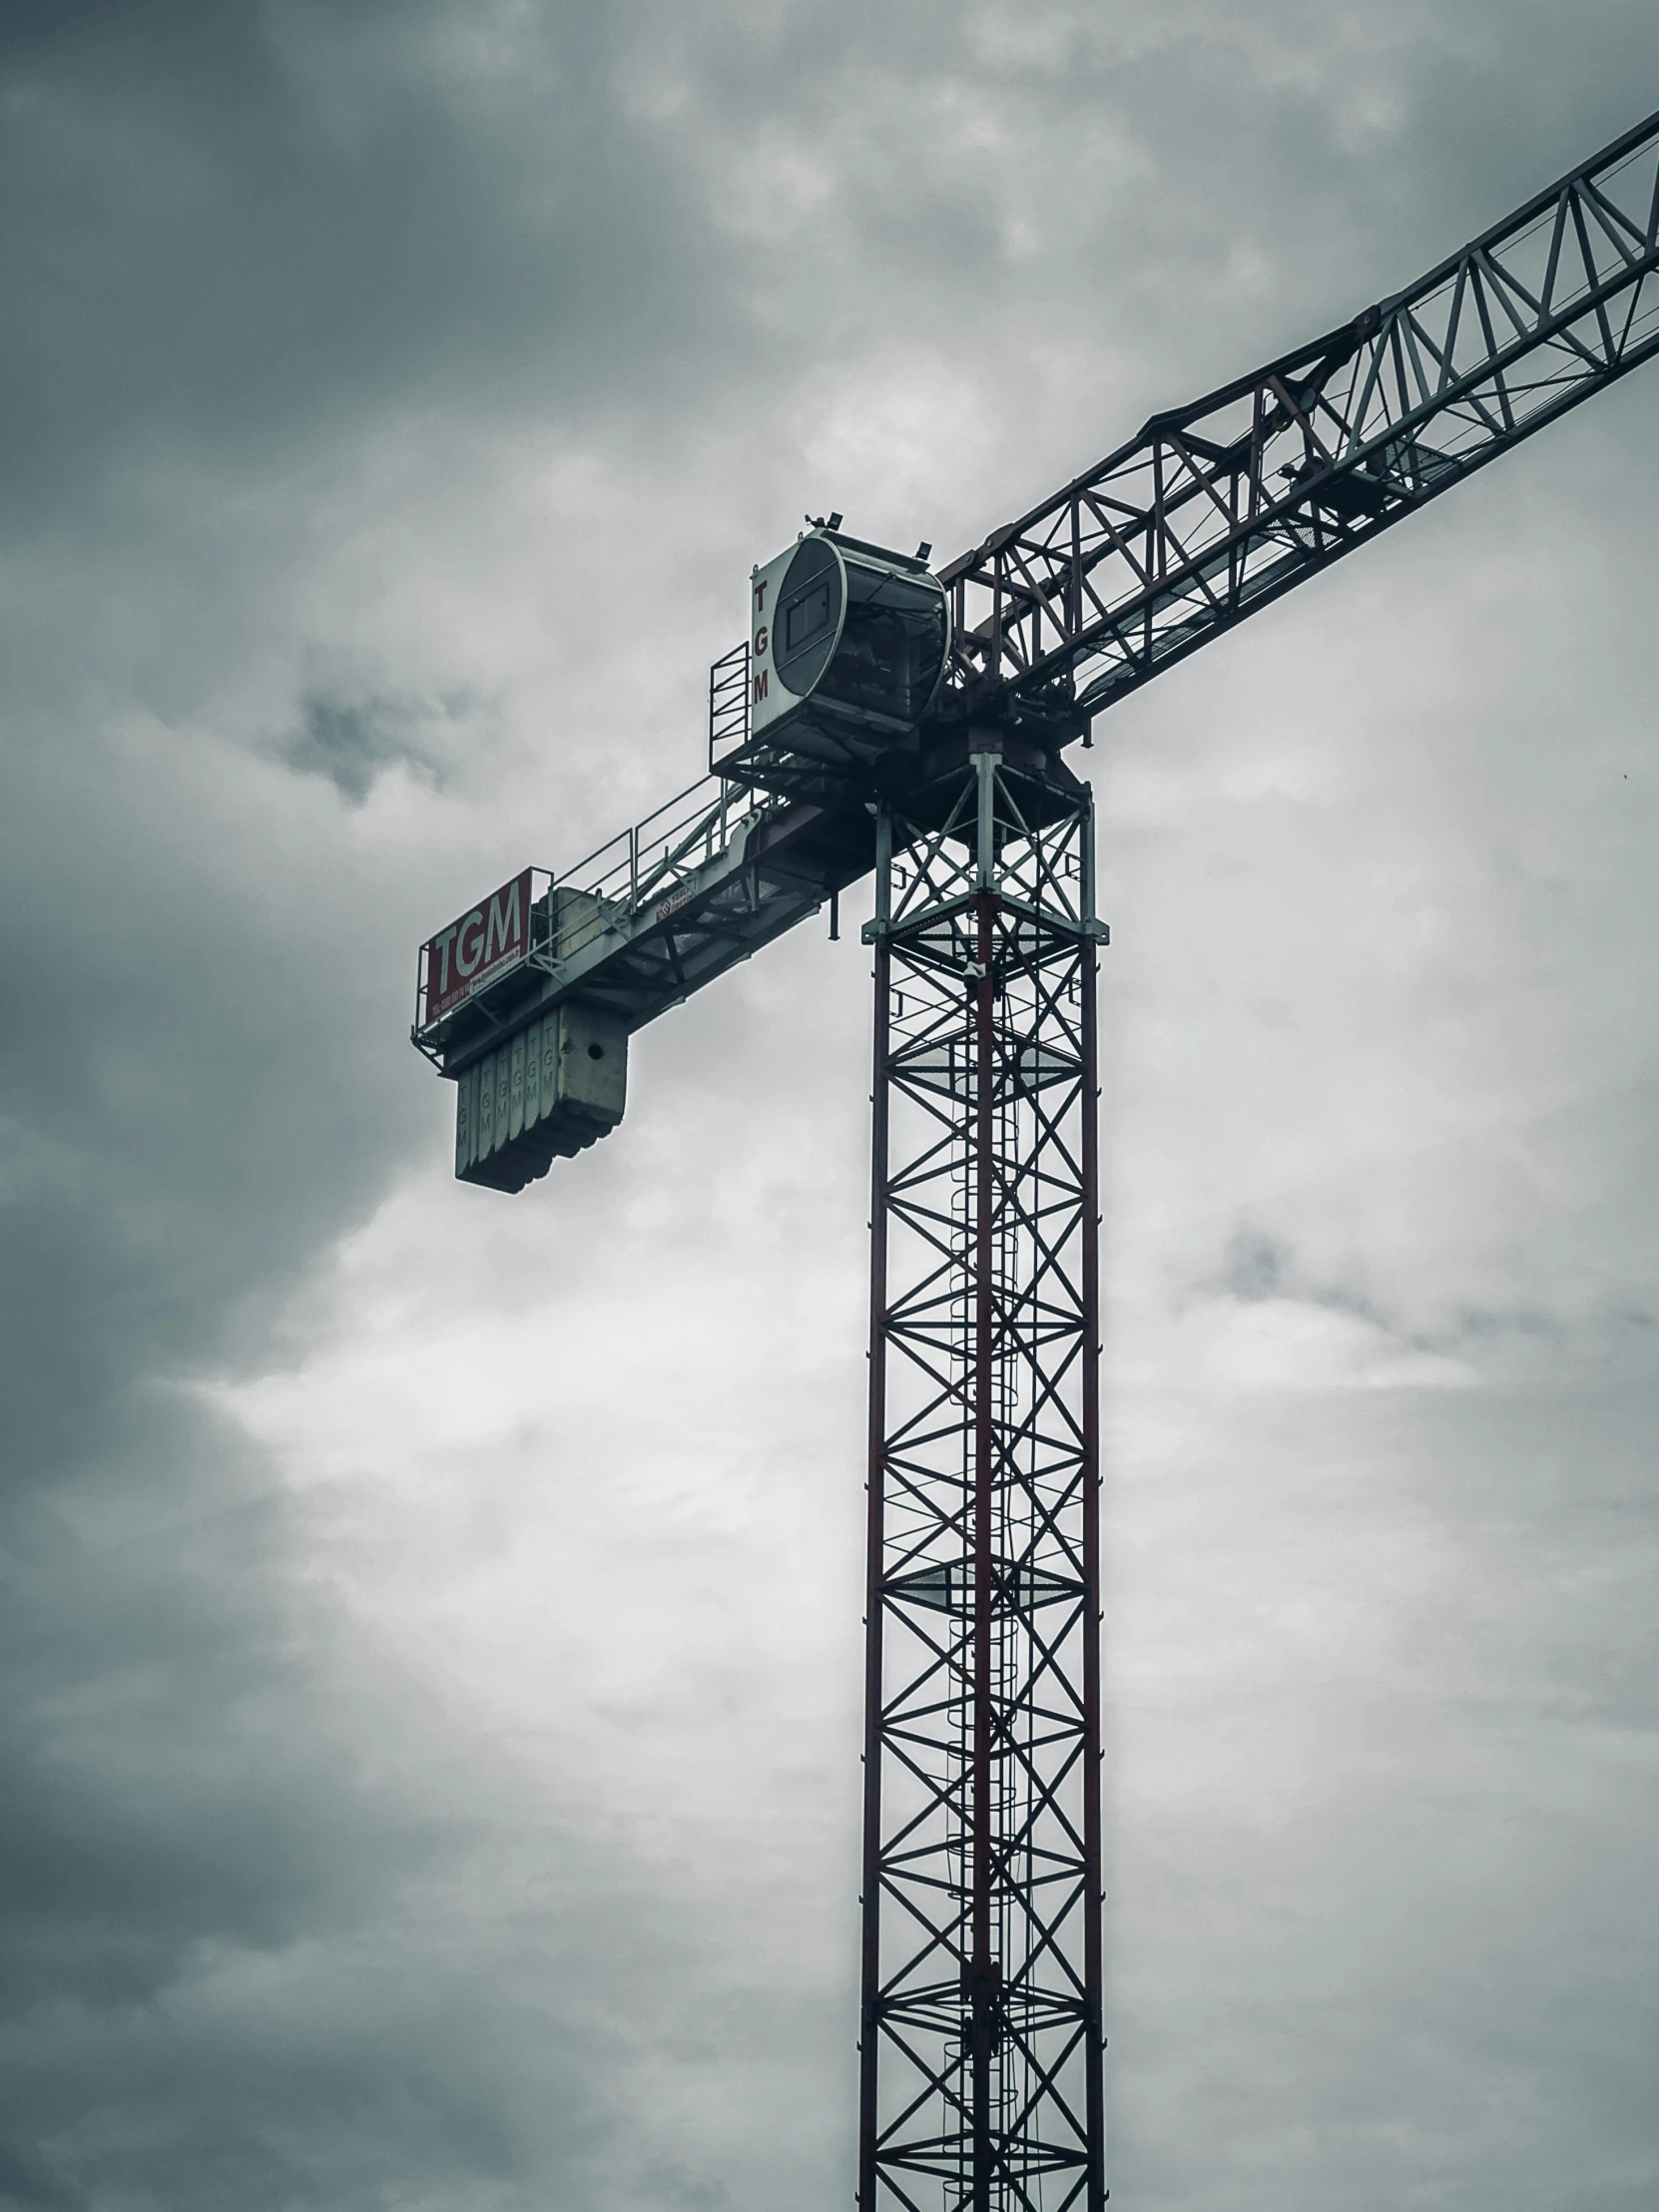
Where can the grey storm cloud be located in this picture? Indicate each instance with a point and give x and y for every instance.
(251, 224)
(351, 740)
(375, 378)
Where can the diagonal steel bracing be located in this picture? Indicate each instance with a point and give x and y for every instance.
(1219, 507)
(982, 2037)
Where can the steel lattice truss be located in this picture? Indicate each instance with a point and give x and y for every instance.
(981, 2039)
(1219, 507)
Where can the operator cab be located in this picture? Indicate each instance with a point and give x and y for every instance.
(847, 646)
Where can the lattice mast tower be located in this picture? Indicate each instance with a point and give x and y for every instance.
(881, 717)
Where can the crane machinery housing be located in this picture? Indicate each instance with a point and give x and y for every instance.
(883, 718)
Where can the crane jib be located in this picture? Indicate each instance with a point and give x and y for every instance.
(1221, 506)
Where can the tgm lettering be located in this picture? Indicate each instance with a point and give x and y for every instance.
(493, 937)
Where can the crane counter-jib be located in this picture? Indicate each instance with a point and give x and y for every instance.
(645, 921)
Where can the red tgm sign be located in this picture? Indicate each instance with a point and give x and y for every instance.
(493, 937)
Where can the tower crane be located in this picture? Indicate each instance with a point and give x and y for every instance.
(884, 717)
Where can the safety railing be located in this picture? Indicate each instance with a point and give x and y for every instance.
(653, 856)
(728, 704)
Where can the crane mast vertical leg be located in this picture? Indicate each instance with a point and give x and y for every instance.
(981, 2042)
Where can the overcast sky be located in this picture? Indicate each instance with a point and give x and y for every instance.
(430, 1620)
